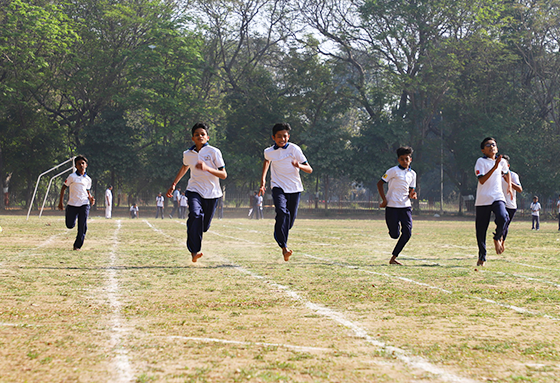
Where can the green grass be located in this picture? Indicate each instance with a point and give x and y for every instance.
(133, 295)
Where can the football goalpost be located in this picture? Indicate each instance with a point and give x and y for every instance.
(71, 160)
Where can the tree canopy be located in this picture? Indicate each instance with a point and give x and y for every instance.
(122, 81)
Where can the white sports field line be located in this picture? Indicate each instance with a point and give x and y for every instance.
(490, 301)
(118, 330)
(360, 332)
(226, 341)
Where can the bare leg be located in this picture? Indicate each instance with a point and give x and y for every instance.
(480, 263)
(195, 256)
(394, 261)
(287, 253)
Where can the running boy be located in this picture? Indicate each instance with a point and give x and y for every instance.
(203, 190)
(401, 180)
(285, 161)
(490, 197)
(511, 203)
(79, 200)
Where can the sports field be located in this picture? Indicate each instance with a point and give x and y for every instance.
(132, 307)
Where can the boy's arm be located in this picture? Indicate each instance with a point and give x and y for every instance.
(381, 191)
(305, 166)
(220, 173)
(60, 202)
(266, 165)
(178, 177)
(90, 197)
(509, 190)
(484, 178)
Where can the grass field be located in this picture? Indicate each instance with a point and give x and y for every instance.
(132, 307)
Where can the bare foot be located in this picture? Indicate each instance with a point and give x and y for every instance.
(394, 261)
(195, 256)
(503, 243)
(77, 249)
(480, 263)
(498, 246)
(287, 253)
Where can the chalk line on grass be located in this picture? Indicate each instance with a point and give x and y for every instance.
(118, 329)
(360, 332)
(512, 307)
(236, 342)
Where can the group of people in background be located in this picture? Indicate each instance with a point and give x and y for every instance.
(496, 193)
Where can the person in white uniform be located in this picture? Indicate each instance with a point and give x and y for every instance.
(285, 160)
(79, 200)
(490, 197)
(511, 203)
(401, 180)
(203, 190)
(108, 201)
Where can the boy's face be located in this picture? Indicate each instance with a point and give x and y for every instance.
(405, 160)
(490, 149)
(81, 166)
(200, 136)
(281, 138)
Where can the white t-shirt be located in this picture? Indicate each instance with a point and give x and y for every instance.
(282, 173)
(535, 208)
(159, 201)
(260, 200)
(183, 200)
(108, 197)
(399, 182)
(202, 182)
(558, 204)
(134, 209)
(492, 190)
(176, 195)
(511, 203)
(78, 186)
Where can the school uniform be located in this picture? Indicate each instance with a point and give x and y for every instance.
(511, 204)
(159, 205)
(203, 191)
(535, 215)
(183, 203)
(398, 212)
(108, 203)
(78, 205)
(134, 212)
(286, 187)
(490, 198)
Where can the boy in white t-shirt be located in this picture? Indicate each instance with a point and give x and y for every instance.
(401, 180)
(285, 160)
(490, 196)
(203, 190)
(511, 203)
(134, 211)
(183, 204)
(160, 200)
(79, 200)
(535, 213)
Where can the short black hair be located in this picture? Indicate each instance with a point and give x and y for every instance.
(404, 151)
(199, 125)
(279, 127)
(80, 157)
(505, 157)
(483, 143)
(109, 186)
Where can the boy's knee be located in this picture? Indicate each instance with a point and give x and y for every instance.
(394, 234)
